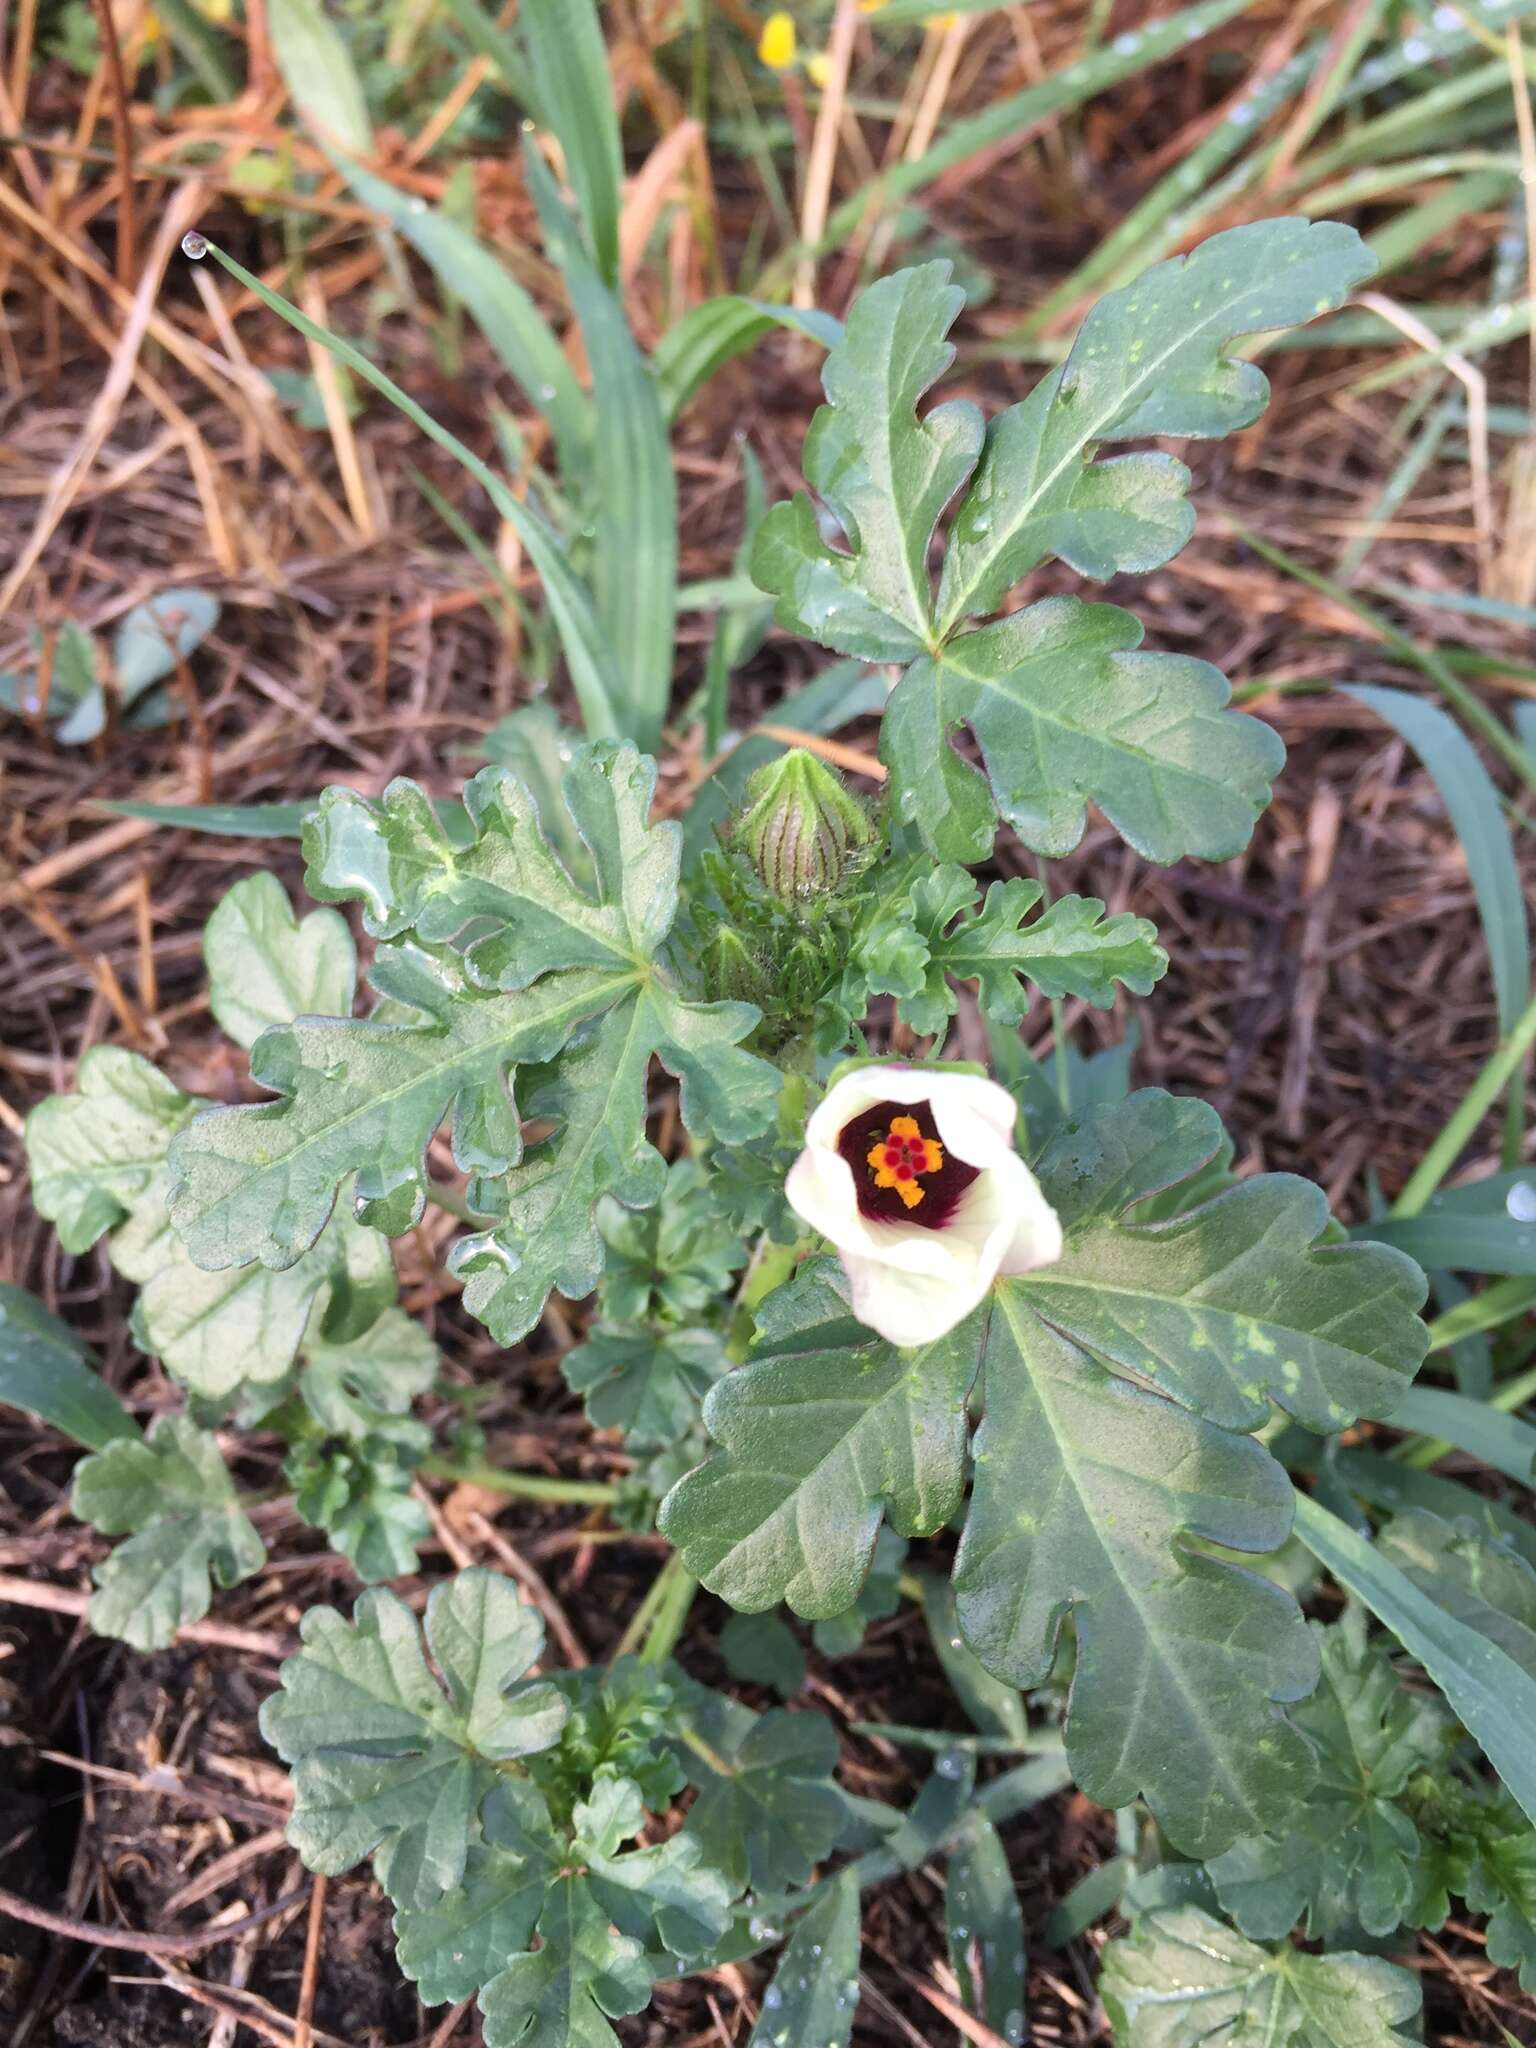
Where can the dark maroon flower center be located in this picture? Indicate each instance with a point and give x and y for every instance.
(892, 1162)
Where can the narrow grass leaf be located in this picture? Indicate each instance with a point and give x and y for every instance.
(318, 71)
(1469, 795)
(1484, 1432)
(504, 312)
(575, 94)
(1488, 1691)
(717, 331)
(633, 491)
(45, 1369)
(588, 656)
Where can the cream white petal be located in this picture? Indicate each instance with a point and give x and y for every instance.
(908, 1282)
(908, 1308)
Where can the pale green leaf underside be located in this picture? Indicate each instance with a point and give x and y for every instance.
(1183, 1980)
(772, 1813)
(1084, 1487)
(173, 1498)
(819, 1445)
(267, 967)
(93, 1154)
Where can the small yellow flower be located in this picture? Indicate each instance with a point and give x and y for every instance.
(947, 20)
(818, 69)
(776, 45)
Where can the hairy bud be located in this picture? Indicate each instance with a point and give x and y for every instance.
(801, 829)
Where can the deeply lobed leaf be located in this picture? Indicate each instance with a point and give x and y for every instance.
(1068, 709)
(1149, 359)
(172, 1495)
(1084, 1488)
(1231, 1305)
(822, 1438)
(387, 1759)
(496, 961)
(886, 475)
(1182, 1980)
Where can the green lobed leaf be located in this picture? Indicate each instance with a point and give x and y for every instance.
(1350, 1857)
(562, 1994)
(762, 1649)
(1149, 359)
(265, 966)
(47, 1370)
(650, 1384)
(1233, 1304)
(98, 1156)
(886, 475)
(673, 1260)
(985, 1930)
(839, 1635)
(551, 967)
(461, 1941)
(1068, 709)
(824, 1433)
(1084, 1487)
(913, 949)
(93, 1154)
(1183, 1980)
(815, 1989)
(352, 1472)
(364, 1096)
(767, 1811)
(172, 1495)
(388, 1759)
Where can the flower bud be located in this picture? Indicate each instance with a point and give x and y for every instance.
(801, 828)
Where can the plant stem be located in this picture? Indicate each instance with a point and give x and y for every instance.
(524, 1485)
(671, 1616)
(1469, 1113)
(641, 1619)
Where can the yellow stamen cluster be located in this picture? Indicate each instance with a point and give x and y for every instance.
(901, 1155)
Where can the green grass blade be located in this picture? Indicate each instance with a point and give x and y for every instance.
(1493, 1697)
(319, 73)
(1484, 1432)
(493, 43)
(570, 71)
(633, 497)
(716, 332)
(588, 656)
(1472, 802)
(205, 51)
(1011, 116)
(45, 1369)
(503, 311)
